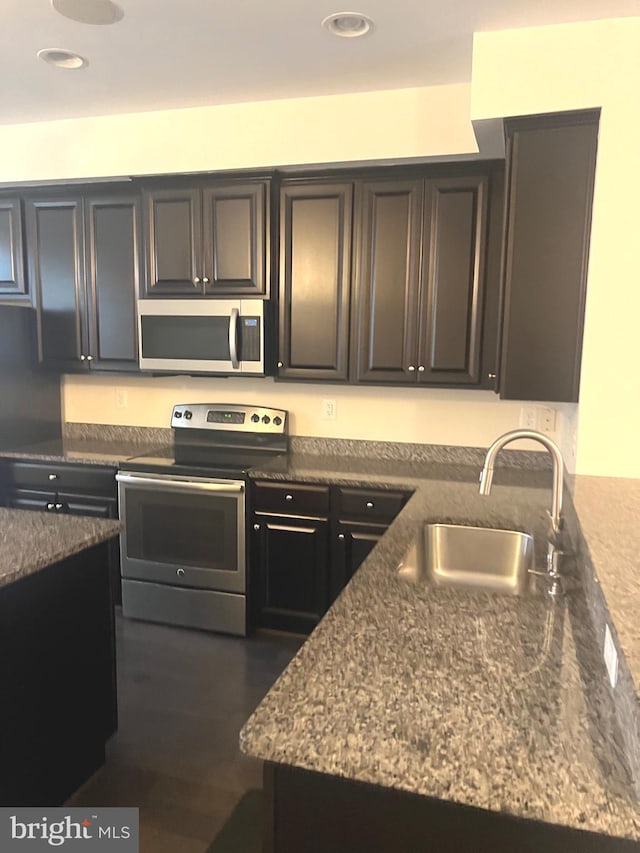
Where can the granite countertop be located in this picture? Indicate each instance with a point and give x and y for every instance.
(495, 702)
(86, 450)
(30, 541)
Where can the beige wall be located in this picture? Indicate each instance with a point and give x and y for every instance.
(571, 67)
(467, 418)
(401, 123)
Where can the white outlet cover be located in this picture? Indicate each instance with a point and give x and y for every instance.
(610, 657)
(329, 410)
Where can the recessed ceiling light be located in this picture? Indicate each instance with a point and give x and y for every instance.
(348, 25)
(89, 11)
(62, 58)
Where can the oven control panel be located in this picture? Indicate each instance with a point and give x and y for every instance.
(229, 418)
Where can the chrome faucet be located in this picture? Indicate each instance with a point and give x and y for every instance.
(486, 480)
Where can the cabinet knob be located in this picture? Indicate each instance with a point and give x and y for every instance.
(205, 280)
(256, 527)
(51, 506)
(492, 376)
(83, 358)
(288, 497)
(196, 280)
(89, 358)
(280, 364)
(180, 572)
(341, 536)
(58, 506)
(369, 504)
(421, 368)
(411, 368)
(53, 476)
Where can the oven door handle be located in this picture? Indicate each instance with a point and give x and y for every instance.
(179, 485)
(233, 338)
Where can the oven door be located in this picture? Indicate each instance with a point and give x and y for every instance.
(183, 531)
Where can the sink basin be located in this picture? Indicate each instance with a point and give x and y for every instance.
(478, 557)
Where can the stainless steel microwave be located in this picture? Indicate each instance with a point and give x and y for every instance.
(202, 336)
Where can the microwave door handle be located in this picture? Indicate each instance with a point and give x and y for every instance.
(233, 338)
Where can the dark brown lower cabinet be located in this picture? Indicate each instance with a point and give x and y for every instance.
(308, 812)
(290, 567)
(353, 544)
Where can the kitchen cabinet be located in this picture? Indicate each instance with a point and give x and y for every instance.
(550, 177)
(306, 541)
(13, 282)
(65, 488)
(420, 301)
(84, 263)
(209, 240)
(315, 280)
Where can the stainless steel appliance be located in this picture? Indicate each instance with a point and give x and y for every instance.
(203, 336)
(183, 544)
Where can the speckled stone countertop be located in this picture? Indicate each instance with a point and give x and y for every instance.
(495, 702)
(30, 541)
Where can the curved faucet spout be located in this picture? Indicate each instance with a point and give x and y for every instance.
(486, 475)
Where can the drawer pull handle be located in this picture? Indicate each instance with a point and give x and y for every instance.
(58, 506)
(341, 536)
(288, 497)
(51, 506)
(53, 476)
(256, 527)
(369, 504)
(180, 572)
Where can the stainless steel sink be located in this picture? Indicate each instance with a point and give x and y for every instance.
(477, 557)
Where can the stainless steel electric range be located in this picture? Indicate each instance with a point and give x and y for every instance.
(183, 544)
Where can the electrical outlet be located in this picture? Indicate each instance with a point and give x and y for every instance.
(329, 410)
(529, 417)
(610, 657)
(547, 419)
(121, 398)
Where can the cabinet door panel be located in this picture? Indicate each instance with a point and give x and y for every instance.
(292, 566)
(234, 239)
(551, 166)
(353, 544)
(13, 282)
(113, 247)
(173, 232)
(387, 290)
(56, 267)
(453, 285)
(315, 274)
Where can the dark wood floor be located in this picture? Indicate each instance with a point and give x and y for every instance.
(183, 697)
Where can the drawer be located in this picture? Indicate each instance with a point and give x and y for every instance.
(291, 498)
(369, 504)
(89, 479)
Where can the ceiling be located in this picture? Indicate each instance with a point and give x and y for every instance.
(185, 53)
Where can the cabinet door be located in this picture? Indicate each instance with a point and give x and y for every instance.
(56, 269)
(235, 222)
(550, 174)
(452, 292)
(387, 281)
(13, 282)
(290, 571)
(173, 237)
(354, 542)
(113, 270)
(315, 278)
(35, 501)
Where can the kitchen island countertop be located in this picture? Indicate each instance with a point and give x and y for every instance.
(490, 701)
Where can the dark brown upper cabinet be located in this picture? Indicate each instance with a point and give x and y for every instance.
(315, 280)
(84, 262)
(207, 241)
(420, 301)
(13, 282)
(550, 174)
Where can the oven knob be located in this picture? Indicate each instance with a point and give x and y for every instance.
(188, 415)
(277, 420)
(255, 418)
(266, 419)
